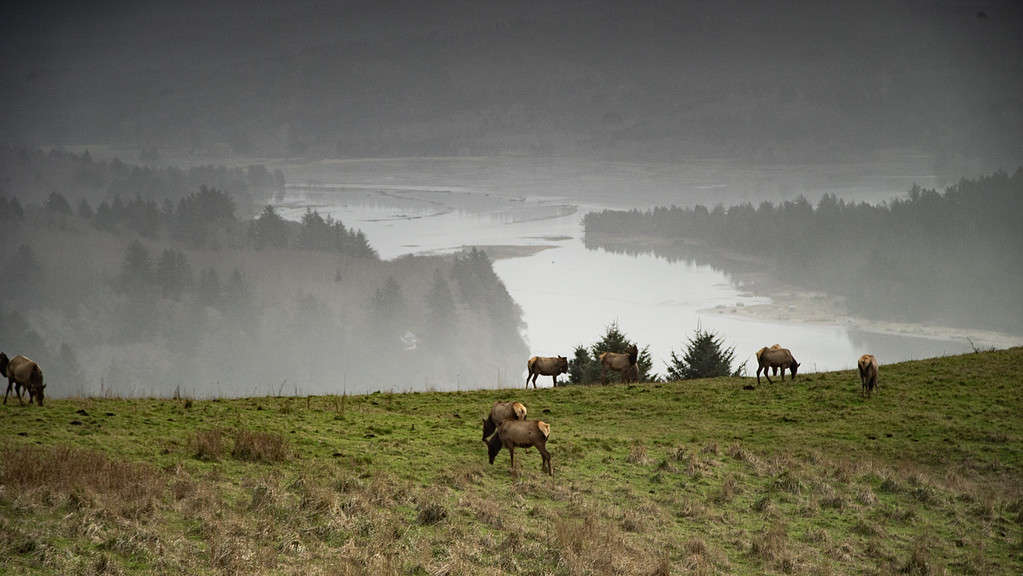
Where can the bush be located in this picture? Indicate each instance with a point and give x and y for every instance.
(705, 357)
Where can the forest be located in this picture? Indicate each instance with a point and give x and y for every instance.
(133, 296)
(953, 257)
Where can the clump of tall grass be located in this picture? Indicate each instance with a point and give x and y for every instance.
(256, 446)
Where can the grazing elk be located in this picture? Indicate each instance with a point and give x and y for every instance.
(22, 373)
(774, 369)
(546, 366)
(513, 434)
(500, 412)
(780, 357)
(868, 374)
(626, 364)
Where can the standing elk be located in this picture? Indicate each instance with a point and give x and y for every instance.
(546, 366)
(22, 373)
(513, 434)
(868, 374)
(626, 364)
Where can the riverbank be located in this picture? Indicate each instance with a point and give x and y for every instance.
(792, 304)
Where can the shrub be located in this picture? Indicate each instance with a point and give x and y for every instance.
(705, 357)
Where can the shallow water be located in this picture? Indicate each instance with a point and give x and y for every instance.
(569, 294)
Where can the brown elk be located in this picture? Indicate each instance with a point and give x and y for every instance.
(626, 364)
(781, 358)
(513, 434)
(774, 369)
(22, 372)
(546, 366)
(868, 374)
(500, 412)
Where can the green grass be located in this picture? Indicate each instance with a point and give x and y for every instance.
(696, 477)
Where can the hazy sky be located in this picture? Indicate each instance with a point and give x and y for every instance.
(789, 80)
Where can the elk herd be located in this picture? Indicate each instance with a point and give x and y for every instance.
(507, 427)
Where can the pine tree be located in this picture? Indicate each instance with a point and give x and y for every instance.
(173, 273)
(85, 210)
(388, 312)
(579, 368)
(58, 204)
(269, 230)
(209, 288)
(706, 357)
(440, 306)
(136, 269)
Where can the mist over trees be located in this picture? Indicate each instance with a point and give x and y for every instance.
(140, 298)
(59, 179)
(954, 257)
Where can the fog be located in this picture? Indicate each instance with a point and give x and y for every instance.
(211, 199)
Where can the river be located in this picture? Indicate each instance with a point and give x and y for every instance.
(569, 294)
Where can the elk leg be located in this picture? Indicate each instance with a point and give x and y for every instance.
(17, 390)
(782, 373)
(527, 379)
(9, 384)
(768, 376)
(554, 380)
(511, 453)
(546, 465)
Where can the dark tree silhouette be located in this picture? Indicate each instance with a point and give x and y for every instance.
(269, 230)
(136, 270)
(705, 357)
(57, 204)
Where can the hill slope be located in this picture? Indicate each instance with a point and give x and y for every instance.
(696, 477)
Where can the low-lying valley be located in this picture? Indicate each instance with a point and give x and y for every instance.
(695, 477)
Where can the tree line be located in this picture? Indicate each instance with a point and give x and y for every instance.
(953, 257)
(145, 297)
(33, 174)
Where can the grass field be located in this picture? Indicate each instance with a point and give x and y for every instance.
(699, 477)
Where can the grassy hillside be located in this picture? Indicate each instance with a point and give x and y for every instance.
(700, 477)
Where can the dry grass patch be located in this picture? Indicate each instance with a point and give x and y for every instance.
(739, 452)
(208, 444)
(727, 491)
(257, 446)
(919, 562)
(588, 545)
(638, 455)
(772, 546)
(76, 475)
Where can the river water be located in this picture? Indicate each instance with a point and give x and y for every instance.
(568, 293)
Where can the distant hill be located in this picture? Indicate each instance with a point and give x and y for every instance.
(773, 81)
